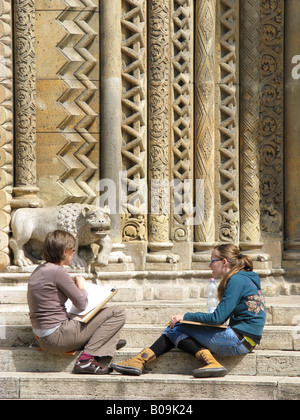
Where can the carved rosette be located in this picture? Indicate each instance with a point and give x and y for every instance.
(134, 123)
(181, 117)
(271, 69)
(228, 214)
(159, 118)
(6, 129)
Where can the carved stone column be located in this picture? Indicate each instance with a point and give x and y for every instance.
(134, 123)
(25, 106)
(292, 124)
(134, 129)
(111, 122)
(159, 128)
(6, 129)
(227, 122)
(111, 97)
(271, 127)
(249, 124)
(205, 118)
(182, 53)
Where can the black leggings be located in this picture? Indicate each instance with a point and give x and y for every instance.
(164, 344)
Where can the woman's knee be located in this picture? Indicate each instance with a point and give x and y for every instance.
(119, 313)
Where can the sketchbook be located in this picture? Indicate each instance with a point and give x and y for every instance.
(98, 296)
(203, 325)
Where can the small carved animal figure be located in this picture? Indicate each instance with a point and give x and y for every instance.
(88, 224)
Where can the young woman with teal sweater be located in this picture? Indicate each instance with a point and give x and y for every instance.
(241, 302)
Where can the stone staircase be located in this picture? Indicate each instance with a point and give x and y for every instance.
(271, 372)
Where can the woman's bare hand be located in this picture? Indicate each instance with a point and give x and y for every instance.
(80, 282)
(176, 318)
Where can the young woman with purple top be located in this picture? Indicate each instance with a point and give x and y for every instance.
(49, 287)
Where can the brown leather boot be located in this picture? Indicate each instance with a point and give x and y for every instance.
(135, 365)
(212, 368)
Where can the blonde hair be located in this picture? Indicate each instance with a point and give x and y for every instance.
(237, 262)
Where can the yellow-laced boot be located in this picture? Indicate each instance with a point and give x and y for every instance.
(212, 368)
(135, 365)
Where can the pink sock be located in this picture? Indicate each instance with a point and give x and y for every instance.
(85, 356)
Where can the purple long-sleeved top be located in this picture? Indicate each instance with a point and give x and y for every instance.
(49, 287)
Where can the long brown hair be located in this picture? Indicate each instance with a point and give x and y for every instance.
(237, 262)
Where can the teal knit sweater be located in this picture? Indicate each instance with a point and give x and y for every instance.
(243, 302)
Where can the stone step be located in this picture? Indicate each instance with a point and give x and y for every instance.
(280, 311)
(257, 363)
(152, 386)
(17, 293)
(162, 282)
(143, 335)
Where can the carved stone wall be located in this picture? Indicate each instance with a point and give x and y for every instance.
(154, 96)
(67, 115)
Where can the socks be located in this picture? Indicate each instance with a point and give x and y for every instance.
(84, 356)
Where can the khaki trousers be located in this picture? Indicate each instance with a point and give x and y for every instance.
(97, 337)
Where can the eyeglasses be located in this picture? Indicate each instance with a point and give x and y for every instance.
(217, 259)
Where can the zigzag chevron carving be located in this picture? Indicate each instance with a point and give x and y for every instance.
(228, 149)
(75, 47)
(134, 122)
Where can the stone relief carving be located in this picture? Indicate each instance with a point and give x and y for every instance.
(78, 128)
(170, 26)
(88, 224)
(134, 124)
(228, 123)
(204, 159)
(271, 70)
(25, 106)
(181, 116)
(159, 105)
(249, 124)
(6, 129)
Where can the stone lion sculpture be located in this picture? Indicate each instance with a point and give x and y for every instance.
(88, 224)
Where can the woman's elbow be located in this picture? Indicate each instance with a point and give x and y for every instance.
(82, 304)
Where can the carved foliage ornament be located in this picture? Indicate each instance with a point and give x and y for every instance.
(25, 92)
(159, 105)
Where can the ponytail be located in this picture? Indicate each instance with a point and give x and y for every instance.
(237, 262)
